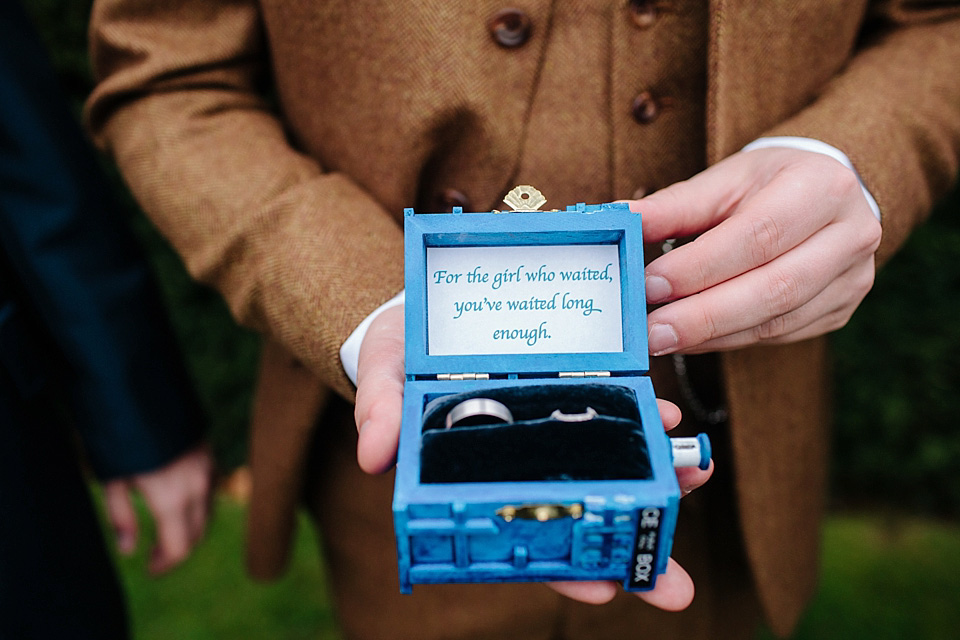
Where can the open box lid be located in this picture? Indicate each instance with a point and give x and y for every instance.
(527, 292)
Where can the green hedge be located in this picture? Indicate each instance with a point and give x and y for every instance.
(897, 373)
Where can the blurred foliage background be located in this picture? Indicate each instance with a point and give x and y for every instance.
(897, 379)
(896, 446)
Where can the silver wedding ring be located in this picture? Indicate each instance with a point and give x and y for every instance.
(476, 411)
(586, 416)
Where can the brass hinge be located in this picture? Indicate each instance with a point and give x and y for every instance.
(584, 374)
(463, 376)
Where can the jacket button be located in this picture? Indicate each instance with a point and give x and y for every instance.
(449, 198)
(509, 28)
(642, 12)
(646, 108)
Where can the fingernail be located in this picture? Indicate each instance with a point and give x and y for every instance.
(661, 339)
(658, 288)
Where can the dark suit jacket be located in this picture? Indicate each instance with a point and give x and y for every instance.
(78, 310)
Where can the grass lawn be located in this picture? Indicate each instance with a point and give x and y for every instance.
(886, 580)
(210, 596)
(882, 579)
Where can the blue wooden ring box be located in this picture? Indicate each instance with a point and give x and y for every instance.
(543, 312)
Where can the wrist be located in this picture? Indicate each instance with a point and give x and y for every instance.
(350, 350)
(816, 146)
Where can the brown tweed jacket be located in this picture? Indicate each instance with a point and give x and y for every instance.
(253, 134)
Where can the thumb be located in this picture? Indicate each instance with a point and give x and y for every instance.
(121, 514)
(380, 379)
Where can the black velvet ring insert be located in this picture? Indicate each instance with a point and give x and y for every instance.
(536, 447)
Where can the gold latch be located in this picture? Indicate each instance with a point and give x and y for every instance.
(541, 512)
(525, 198)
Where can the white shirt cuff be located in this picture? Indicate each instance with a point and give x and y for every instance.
(350, 351)
(816, 146)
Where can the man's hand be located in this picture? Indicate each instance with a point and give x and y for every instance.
(178, 497)
(786, 252)
(378, 414)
